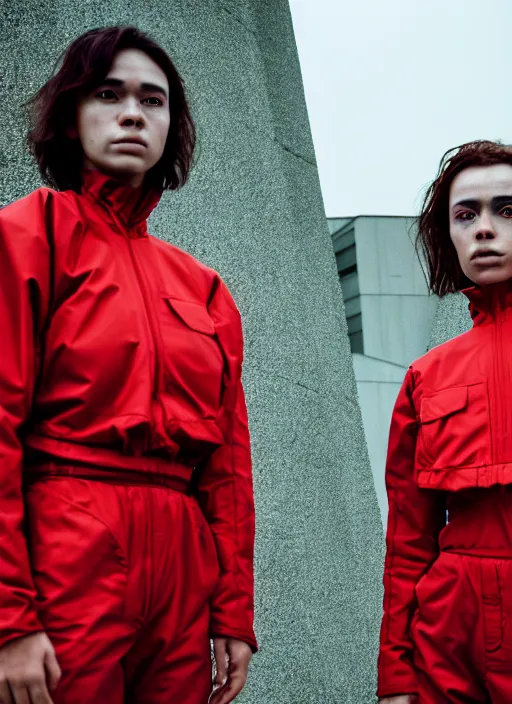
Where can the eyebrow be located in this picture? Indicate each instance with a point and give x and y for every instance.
(474, 204)
(117, 83)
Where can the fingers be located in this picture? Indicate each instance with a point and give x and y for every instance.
(36, 693)
(33, 691)
(39, 694)
(26, 665)
(233, 687)
(27, 693)
(52, 668)
(5, 693)
(239, 657)
(20, 694)
(220, 653)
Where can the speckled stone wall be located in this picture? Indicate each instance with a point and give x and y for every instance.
(253, 210)
(452, 318)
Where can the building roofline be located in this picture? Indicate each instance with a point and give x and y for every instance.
(354, 217)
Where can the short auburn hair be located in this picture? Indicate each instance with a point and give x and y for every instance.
(444, 271)
(84, 64)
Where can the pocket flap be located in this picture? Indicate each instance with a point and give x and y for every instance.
(194, 315)
(443, 403)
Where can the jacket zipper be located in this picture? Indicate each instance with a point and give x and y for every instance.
(155, 335)
(498, 386)
(498, 430)
(156, 369)
(154, 330)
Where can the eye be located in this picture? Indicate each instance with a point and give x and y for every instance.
(106, 94)
(158, 101)
(507, 211)
(465, 215)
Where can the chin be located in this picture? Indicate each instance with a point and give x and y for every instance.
(488, 278)
(124, 172)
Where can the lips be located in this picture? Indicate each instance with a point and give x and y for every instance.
(484, 253)
(131, 140)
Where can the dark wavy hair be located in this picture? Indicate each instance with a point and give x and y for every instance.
(83, 65)
(433, 238)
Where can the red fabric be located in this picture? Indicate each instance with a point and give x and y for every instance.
(451, 431)
(462, 631)
(462, 628)
(124, 599)
(114, 342)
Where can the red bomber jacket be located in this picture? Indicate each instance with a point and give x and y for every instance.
(116, 342)
(451, 429)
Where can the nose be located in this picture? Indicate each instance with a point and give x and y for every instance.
(483, 234)
(485, 229)
(131, 113)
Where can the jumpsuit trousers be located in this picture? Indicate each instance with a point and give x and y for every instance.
(124, 570)
(462, 629)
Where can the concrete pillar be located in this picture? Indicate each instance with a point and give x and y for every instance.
(253, 210)
(452, 318)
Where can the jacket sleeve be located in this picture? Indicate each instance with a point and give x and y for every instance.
(24, 300)
(415, 519)
(225, 490)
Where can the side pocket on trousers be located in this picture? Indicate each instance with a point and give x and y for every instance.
(208, 547)
(492, 608)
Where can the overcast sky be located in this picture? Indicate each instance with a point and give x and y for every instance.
(392, 84)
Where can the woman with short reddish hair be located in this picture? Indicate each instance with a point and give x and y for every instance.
(446, 634)
(126, 503)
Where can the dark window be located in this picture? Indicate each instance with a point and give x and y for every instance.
(356, 342)
(346, 262)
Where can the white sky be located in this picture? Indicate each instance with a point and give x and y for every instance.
(392, 84)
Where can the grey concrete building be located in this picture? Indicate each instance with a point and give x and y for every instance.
(389, 317)
(253, 210)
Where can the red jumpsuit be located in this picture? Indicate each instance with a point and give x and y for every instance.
(447, 627)
(126, 503)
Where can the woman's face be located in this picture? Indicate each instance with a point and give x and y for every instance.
(123, 124)
(481, 222)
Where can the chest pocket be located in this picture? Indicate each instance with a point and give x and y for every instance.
(193, 360)
(454, 428)
(194, 315)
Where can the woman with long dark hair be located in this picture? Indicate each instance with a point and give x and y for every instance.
(446, 634)
(126, 504)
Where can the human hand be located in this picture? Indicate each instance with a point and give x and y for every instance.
(401, 699)
(232, 657)
(26, 665)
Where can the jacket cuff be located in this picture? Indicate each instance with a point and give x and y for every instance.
(23, 625)
(402, 693)
(247, 637)
(396, 685)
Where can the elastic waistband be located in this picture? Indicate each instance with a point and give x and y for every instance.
(482, 553)
(479, 523)
(103, 457)
(38, 472)
(62, 458)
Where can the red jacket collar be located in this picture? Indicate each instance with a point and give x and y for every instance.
(492, 300)
(129, 207)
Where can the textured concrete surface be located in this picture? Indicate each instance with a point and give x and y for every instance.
(253, 210)
(452, 318)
